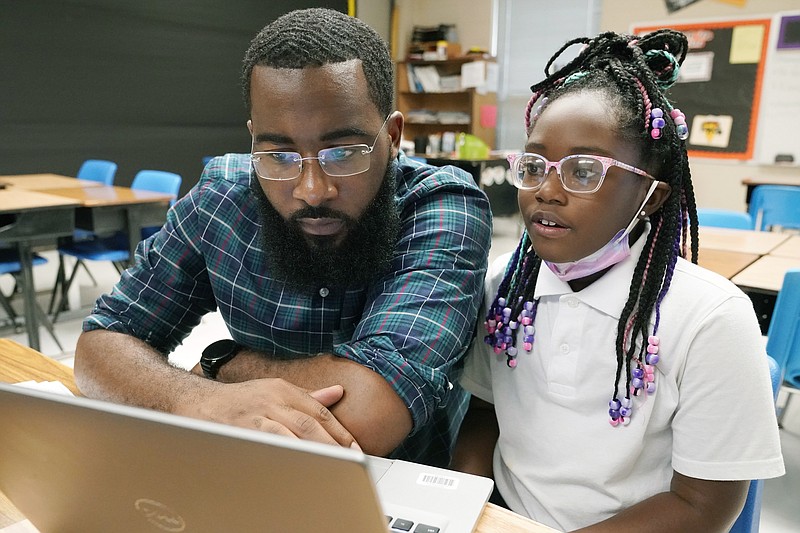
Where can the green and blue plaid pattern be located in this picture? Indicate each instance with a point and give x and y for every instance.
(412, 326)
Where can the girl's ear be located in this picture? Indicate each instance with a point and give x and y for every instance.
(657, 199)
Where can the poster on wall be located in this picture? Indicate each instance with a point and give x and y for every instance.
(675, 5)
(719, 87)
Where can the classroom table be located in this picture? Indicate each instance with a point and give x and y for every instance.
(724, 262)
(41, 182)
(20, 363)
(789, 248)
(28, 217)
(766, 273)
(738, 240)
(104, 209)
(107, 209)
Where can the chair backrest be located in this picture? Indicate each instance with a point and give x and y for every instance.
(775, 205)
(783, 336)
(723, 218)
(750, 517)
(158, 181)
(98, 170)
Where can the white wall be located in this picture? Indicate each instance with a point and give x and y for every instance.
(717, 183)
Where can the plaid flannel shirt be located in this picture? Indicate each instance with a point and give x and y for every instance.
(412, 326)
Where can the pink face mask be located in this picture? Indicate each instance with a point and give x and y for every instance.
(616, 250)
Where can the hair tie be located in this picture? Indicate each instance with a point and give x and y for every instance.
(668, 75)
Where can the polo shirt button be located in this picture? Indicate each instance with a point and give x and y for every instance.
(572, 302)
(324, 292)
(565, 348)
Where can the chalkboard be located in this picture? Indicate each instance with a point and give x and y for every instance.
(719, 89)
(148, 84)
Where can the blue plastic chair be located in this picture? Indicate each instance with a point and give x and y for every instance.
(723, 218)
(98, 170)
(10, 264)
(750, 517)
(783, 336)
(775, 205)
(115, 248)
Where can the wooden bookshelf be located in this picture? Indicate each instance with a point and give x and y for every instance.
(466, 101)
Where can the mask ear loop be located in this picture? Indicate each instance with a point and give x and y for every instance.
(640, 213)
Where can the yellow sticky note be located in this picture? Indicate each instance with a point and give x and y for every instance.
(746, 44)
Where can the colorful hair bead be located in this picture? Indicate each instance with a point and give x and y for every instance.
(680, 124)
(657, 116)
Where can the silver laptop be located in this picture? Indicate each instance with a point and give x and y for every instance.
(78, 465)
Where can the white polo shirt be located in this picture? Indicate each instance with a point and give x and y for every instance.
(560, 462)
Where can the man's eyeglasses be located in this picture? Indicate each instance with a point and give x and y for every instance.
(338, 161)
(582, 174)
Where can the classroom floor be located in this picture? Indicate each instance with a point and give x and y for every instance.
(780, 512)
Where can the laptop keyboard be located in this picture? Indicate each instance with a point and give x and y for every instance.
(402, 524)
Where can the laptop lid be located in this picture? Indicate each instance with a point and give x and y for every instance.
(79, 465)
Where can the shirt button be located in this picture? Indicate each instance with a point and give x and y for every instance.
(565, 348)
(324, 292)
(572, 302)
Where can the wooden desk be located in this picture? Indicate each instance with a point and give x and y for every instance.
(724, 262)
(738, 240)
(20, 363)
(789, 248)
(766, 273)
(107, 209)
(40, 182)
(26, 217)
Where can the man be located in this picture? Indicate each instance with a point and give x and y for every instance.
(348, 275)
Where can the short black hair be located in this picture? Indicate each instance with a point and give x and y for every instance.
(315, 37)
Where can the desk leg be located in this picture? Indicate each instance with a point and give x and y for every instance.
(29, 293)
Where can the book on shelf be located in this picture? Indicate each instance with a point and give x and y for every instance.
(424, 79)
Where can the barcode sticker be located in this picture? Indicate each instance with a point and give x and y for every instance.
(434, 480)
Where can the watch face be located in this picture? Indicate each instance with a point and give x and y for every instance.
(217, 354)
(220, 350)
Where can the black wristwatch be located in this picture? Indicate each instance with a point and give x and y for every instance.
(217, 354)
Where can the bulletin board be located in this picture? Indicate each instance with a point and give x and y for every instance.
(720, 86)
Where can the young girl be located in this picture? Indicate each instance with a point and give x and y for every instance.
(620, 387)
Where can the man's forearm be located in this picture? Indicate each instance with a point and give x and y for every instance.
(370, 409)
(123, 369)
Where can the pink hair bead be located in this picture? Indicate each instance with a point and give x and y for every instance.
(652, 348)
(652, 339)
(655, 133)
(528, 346)
(512, 363)
(625, 420)
(613, 421)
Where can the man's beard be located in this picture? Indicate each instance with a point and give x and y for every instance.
(308, 260)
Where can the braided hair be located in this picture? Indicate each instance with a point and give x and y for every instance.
(315, 37)
(633, 73)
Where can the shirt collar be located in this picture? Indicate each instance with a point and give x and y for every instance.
(609, 293)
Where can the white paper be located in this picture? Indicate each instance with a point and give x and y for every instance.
(47, 386)
(20, 527)
(473, 74)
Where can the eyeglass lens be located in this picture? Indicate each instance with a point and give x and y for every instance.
(337, 161)
(577, 174)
